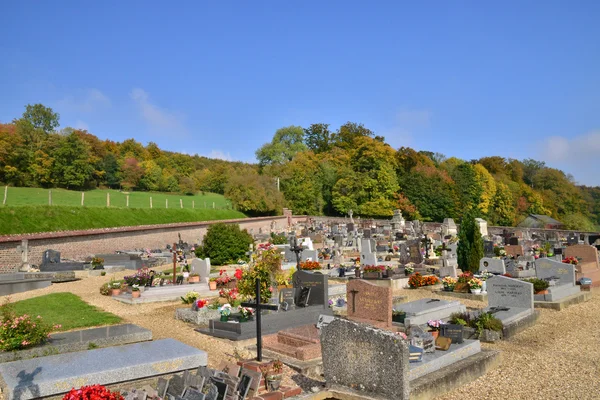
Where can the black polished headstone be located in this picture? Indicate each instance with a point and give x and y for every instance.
(244, 386)
(51, 257)
(318, 283)
(454, 332)
(304, 297)
(287, 295)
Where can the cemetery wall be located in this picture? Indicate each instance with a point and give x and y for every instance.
(77, 245)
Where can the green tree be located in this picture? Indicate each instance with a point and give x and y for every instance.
(254, 194)
(41, 117)
(348, 133)
(470, 243)
(225, 244)
(318, 138)
(72, 168)
(286, 143)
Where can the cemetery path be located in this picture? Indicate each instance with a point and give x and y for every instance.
(558, 358)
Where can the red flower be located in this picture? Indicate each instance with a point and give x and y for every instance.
(238, 274)
(94, 392)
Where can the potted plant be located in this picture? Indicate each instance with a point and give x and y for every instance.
(475, 285)
(225, 311)
(398, 316)
(434, 327)
(115, 287)
(449, 283)
(408, 270)
(274, 375)
(135, 291)
(212, 284)
(389, 271)
(245, 314)
(462, 283)
(194, 278)
(540, 286)
(373, 271)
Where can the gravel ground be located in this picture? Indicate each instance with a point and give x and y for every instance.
(558, 358)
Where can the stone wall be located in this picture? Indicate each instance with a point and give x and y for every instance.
(77, 245)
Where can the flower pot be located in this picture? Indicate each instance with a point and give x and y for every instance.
(135, 294)
(212, 285)
(448, 288)
(435, 334)
(116, 292)
(224, 318)
(545, 291)
(194, 279)
(461, 288)
(372, 275)
(242, 319)
(357, 272)
(273, 382)
(476, 291)
(399, 318)
(186, 275)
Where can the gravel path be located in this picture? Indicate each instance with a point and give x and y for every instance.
(558, 358)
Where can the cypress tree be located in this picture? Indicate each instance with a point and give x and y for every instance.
(470, 244)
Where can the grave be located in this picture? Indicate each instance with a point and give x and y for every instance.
(492, 265)
(360, 361)
(66, 342)
(369, 303)
(448, 267)
(563, 292)
(22, 282)
(165, 293)
(449, 227)
(127, 261)
(311, 300)
(57, 374)
(514, 250)
(418, 312)
(589, 266)
(511, 301)
(482, 225)
(51, 262)
(202, 268)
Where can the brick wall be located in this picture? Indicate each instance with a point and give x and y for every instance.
(78, 245)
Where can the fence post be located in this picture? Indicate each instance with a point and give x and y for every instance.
(180, 203)
(50, 197)
(107, 199)
(167, 203)
(128, 201)
(5, 194)
(82, 198)
(193, 204)
(150, 201)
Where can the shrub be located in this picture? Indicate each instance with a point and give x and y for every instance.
(105, 289)
(225, 243)
(265, 267)
(278, 238)
(96, 392)
(538, 284)
(20, 332)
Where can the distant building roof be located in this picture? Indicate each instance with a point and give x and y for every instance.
(539, 221)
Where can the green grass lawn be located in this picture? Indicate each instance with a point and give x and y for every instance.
(65, 309)
(32, 219)
(18, 196)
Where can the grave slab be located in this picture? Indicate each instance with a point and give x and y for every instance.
(53, 375)
(420, 311)
(432, 362)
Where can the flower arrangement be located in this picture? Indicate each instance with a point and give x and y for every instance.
(434, 324)
(402, 335)
(223, 278)
(417, 280)
(475, 283)
(96, 392)
(115, 285)
(201, 303)
(374, 268)
(409, 270)
(485, 275)
(135, 288)
(449, 282)
(310, 265)
(246, 312)
(231, 295)
(430, 280)
(225, 310)
(571, 260)
(97, 261)
(465, 277)
(190, 297)
(142, 277)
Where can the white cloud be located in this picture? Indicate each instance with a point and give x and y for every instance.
(219, 154)
(575, 155)
(84, 101)
(405, 124)
(79, 124)
(165, 121)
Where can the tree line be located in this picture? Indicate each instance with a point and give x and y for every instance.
(314, 170)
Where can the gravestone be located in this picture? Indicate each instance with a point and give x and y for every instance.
(482, 225)
(572, 239)
(488, 248)
(287, 298)
(51, 257)
(352, 356)
(510, 300)
(562, 275)
(202, 268)
(318, 284)
(367, 257)
(513, 241)
(514, 251)
(420, 311)
(414, 249)
(448, 267)
(454, 332)
(366, 234)
(492, 265)
(589, 266)
(370, 303)
(403, 254)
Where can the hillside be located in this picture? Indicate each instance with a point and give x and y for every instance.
(319, 171)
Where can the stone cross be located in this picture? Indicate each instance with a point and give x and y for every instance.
(295, 248)
(258, 306)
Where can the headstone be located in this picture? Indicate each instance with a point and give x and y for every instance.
(488, 248)
(588, 254)
(449, 227)
(366, 234)
(513, 241)
(287, 296)
(202, 268)
(547, 269)
(448, 267)
(244, 386)
(318, 284)
(324, 320)
(492, 265)
(370, 303)
(482, 225)
(510, 300)
(256, 377)
(572, 239)
(193, 394)
(163, 385)
(176, 386)
(51, 257)
(514, 251)
(352, 356)
(414, 249)
(454, 332)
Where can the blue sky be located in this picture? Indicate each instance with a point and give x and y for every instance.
(467, 79)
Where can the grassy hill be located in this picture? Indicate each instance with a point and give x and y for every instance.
(27, 210)
(20, 196)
